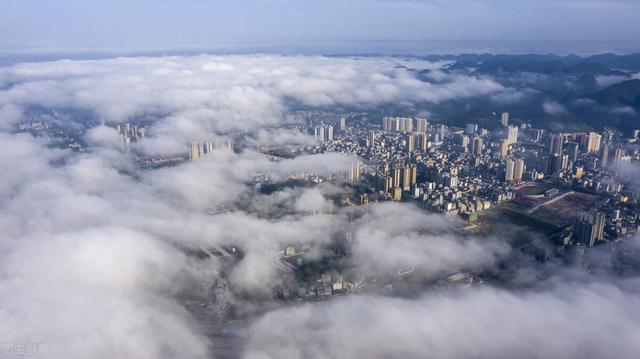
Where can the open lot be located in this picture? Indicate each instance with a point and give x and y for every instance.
(562, 212)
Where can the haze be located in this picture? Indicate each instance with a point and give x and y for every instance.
(382, 26)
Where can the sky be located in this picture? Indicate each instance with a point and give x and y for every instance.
(330, 26)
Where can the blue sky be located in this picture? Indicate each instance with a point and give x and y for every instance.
(73, 25)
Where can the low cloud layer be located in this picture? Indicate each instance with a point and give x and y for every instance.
(395, 237)
(202, 95)
(559, 322)
(554, 108)
(95, 254)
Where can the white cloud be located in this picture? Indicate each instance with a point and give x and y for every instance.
(608, 80)
(91, 252)
(554, 108)
(397, 237)
(205, 94)
(624, 110)
(559, 322)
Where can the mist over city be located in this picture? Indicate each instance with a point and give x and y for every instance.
(281, 180)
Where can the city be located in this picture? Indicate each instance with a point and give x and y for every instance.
(568, 194)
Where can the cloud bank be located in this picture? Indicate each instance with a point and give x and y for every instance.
(201, 95)
(95, 254)
(560, 322)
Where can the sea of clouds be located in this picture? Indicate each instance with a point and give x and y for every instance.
(91, 250)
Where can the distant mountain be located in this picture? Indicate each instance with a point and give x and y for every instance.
(591, 68)
(623, 62)
(543, 67)
(626, 93)
(591, 92)
(540, 63)
(586, 84)
(519, 65)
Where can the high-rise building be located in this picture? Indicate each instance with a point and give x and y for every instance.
(509, 170)
(397, 194)
(536, 134)
(572, 149)
(543, 164)
(388, 184)
(194, 151)
(564, 162)
(443, 131)
(462, 141)
(200, 149)
(406, 178)
(410, 142)
(318, 134)
(618, 155)
(130, 133)
(591, 142)
(397, 175)
(504, 148)
(589, 228)
(471, 129)
(343, 124)
(323, 133)
(353, 175)
(372, 138)
(555, 144)
(421, 125)
(422, 141)
(390, 124)
(406, 124)
(559, 162)
(604, 156)
(413, 172)
(476, 146)
(504, 119)
(512, 134)
(397, 124)
(518, 170)
(594, 142)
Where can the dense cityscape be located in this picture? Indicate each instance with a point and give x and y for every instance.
(571, 187)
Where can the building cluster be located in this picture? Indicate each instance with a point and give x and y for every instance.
(323, 133)
(200, 149)
(589, 228)
(317, 285)
(130, 133)
(355, 171)
(324, 286)
(470, 169)
(404, 124)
